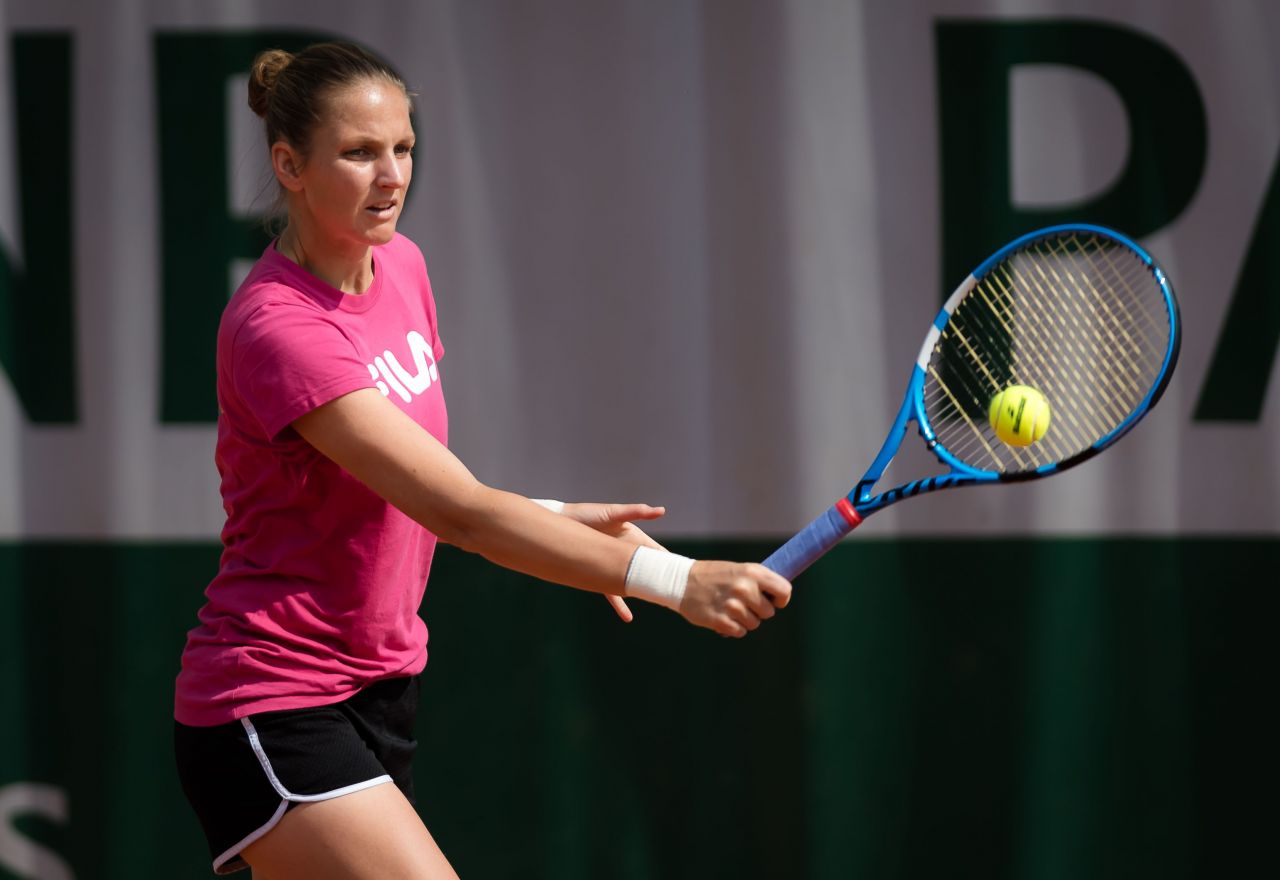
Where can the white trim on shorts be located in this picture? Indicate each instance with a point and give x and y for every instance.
(286, 796)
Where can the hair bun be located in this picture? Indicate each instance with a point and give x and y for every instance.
(262, 78)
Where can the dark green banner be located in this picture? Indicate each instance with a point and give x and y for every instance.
(1045, 709)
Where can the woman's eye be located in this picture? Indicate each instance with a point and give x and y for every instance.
(404, 150)
(358, 153)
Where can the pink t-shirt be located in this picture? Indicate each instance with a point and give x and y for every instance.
(320, 581)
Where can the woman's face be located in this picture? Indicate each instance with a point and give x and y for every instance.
(355, 177)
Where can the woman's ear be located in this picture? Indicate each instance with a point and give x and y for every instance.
(286, 162)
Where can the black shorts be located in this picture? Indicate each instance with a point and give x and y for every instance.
(241, 777)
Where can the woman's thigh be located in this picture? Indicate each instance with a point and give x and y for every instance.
(373, 834)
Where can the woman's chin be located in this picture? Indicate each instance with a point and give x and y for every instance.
(380, 233)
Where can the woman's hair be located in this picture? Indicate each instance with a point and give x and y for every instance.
(288, 91)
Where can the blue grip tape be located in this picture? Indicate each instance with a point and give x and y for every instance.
(809, 543)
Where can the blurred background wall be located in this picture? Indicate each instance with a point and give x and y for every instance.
(684, 252)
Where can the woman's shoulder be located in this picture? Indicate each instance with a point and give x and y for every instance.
(253, 296)
(266, 287)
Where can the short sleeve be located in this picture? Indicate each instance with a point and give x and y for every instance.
(437, 347)
(429, 300)
(288, 359)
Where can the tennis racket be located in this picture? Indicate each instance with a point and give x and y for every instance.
(1079, 313)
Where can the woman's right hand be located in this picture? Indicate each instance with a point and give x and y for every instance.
(733, 598)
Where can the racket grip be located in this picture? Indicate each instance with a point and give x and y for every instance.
(814, 540)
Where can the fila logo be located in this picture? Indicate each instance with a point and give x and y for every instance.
(396, 377)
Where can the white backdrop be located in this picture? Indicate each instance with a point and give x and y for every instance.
(683, 253)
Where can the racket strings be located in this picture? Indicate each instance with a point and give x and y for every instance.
(1113, 318)
(992, 338)
(1131, 337)
(1057, 380)
(964, 394)
(1066, 377)
(1002, 372)
(1079, 317)
(1085, 353)
(1048, 323)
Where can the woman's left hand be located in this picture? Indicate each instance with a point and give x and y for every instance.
(617, 520)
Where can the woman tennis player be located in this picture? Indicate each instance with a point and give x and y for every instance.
(296, 699)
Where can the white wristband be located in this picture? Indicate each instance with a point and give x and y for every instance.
(549, 504)
(658, 576)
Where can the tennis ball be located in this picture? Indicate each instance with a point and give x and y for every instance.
(1019, 415)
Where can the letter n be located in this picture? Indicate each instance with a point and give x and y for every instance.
(37, 331)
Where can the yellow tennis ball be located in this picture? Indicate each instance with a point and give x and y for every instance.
(1019, 415)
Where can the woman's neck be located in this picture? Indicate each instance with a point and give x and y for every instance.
(350, 271)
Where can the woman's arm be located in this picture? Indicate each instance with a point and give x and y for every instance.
(370, 438)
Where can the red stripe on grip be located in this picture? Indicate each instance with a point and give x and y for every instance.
(850, 515)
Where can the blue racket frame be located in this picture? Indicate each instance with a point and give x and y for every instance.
(845, 515)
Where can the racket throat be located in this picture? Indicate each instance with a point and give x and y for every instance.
(846, 509)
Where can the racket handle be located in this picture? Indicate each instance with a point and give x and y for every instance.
(814, 540)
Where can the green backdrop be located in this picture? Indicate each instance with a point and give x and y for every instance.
(1044, 709)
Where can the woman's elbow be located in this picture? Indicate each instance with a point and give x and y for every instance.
(460, 523)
